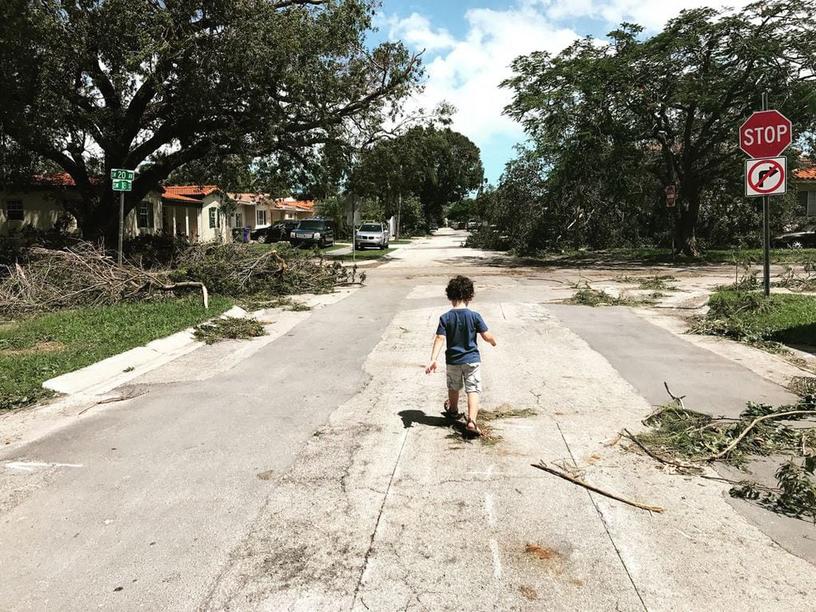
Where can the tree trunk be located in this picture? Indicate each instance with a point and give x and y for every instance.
(689, 213)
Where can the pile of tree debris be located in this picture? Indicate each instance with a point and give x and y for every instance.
(685, 439)
(240, 269)
(86, 275)
(80, 275)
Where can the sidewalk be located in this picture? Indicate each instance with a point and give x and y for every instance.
(387, 508)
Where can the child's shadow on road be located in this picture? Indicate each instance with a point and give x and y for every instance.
(409, 417)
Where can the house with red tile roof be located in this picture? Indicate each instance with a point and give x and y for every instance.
(194, 211)
(805, 180)
(42, 204)
(290, 208)
(251, 210)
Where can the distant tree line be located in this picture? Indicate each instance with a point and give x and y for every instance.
(611, 125)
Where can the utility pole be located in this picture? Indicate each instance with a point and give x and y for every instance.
(399, 205)
(353, 228)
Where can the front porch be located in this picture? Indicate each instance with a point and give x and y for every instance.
(181, 220)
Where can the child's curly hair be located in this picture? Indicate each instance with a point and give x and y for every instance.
(460, 289)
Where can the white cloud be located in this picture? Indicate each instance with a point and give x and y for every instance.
(651, 15)
(467, 70)
(417, 32)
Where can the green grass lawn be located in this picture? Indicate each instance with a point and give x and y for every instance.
(42, 347)
(786, 318)
(657, 256)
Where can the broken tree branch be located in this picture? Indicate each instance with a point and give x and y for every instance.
(656, 457)
(543, 466)
(753, 424)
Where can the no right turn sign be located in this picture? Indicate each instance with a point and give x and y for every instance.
(765, 177)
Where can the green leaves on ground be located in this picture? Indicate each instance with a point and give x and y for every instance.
(681, 433)
(228, 328)
(750, 317)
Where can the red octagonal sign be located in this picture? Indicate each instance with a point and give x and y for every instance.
(765, 134)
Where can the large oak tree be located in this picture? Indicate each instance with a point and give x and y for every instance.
(670, 104)
(91, 85)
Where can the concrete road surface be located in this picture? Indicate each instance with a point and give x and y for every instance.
(319, 474)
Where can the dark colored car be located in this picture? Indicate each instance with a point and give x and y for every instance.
(276, 232)
(318, 232)
(806, 237)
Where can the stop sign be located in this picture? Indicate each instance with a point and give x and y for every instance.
(765, 134)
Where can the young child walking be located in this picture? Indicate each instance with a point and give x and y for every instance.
(458, 328)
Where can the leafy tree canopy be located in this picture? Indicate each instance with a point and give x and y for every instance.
(91, 85)
(613, 124)
(434, 163)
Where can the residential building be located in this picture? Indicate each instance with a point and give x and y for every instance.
(41, 204)
(194, 211)
(805, 180)
(251, 210)
(290, 208)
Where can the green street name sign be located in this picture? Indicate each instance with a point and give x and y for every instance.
(122, 185)
(120, 174)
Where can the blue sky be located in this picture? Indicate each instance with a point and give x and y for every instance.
(469, 45)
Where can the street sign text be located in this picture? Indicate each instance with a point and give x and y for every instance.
(765, 134)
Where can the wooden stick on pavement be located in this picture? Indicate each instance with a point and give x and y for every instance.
(586, 485)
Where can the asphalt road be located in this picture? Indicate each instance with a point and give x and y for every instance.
(319, 474)
(167, 483)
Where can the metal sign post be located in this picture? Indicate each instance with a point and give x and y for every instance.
(764, 136)
(121, 181)
(766, 227)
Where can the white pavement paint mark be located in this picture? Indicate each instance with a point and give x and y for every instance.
(488, 473)
(489, 511)
(30, 466)
(497, 568)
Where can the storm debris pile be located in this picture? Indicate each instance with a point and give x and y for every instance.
(760, 431)
(80, 275)
(242, 269)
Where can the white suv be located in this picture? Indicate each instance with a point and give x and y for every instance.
(373, 235)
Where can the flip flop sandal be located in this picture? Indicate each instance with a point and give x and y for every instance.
(450, 413)
(472, 433)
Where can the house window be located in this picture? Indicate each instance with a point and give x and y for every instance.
(261, 217)
(14, 210)
(811, 203)
(145, 215)
(239, 221)
(215, 218)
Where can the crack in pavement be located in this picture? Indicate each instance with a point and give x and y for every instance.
(603, 521)
(377, 524)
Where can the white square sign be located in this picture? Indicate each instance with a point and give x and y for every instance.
(766, 177)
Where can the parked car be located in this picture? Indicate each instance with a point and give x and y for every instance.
(318, 232)
(433, 227)
(276, 232)
(371, 234)
(806, 237)
(472, 225)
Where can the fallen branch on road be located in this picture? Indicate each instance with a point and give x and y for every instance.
(543, 466)
(645, 449)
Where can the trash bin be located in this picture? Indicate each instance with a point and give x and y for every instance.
(246, 234)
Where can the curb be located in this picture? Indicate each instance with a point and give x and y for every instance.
(114, 371)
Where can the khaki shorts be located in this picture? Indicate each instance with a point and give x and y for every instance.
(467, 375)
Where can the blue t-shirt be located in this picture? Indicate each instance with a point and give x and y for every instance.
(460, 326)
